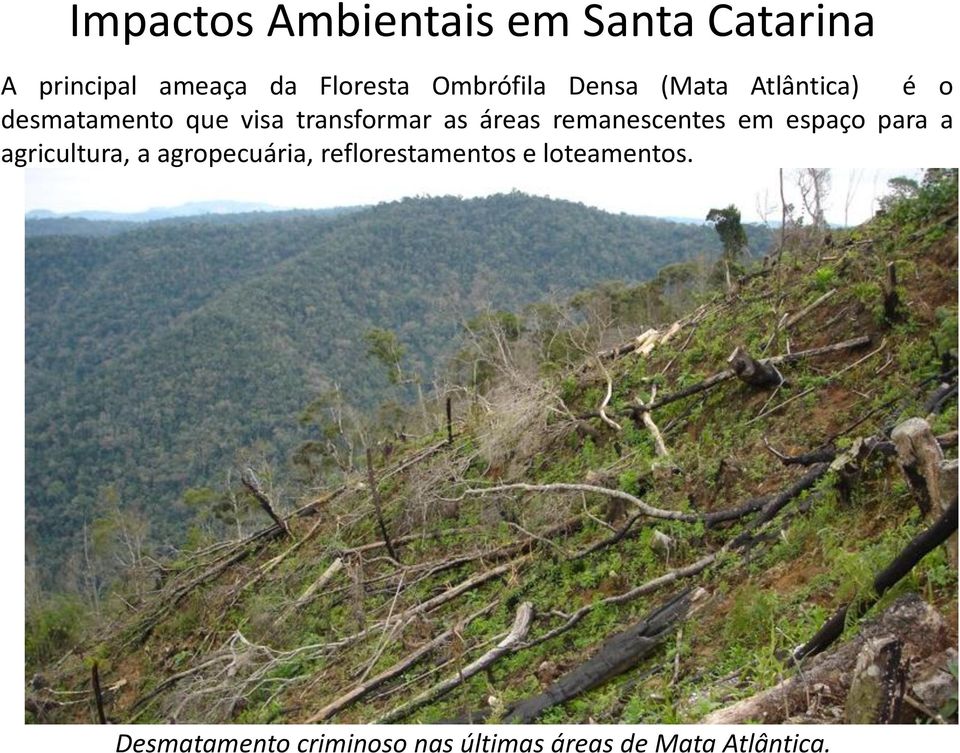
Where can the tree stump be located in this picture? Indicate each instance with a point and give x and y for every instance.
(922, 630)
(877, 684)
(892, 307)
(948, 494)
(920, 457)
(753, 372)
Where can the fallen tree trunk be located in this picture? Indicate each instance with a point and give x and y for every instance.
(248, 547)
(335, 567)
(935, 403)
(617, 655)
(722, 376)
(610, 540)
(706, 384)
(710, 518)
(521, 625)
(418, 457)
(365, 688)
(250, 480)
(794, 318)
(829, 453)
(772, 507)
(768, 506)
(919, 626)
(409, 538)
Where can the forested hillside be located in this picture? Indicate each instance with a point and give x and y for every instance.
(742, 508)
(155, 354)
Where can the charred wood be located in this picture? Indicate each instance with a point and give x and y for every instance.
(920, 546)
(753, 372)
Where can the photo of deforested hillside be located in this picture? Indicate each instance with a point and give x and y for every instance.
(505, 459)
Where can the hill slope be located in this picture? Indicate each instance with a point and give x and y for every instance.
(539, 566)
(154, 355)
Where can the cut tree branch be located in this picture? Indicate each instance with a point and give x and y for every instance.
(722, 376)
(365, 688)
(521, 625)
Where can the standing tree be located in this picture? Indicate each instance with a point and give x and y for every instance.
(728, 226)
(338, 434)
(384, 345)
(734, 238)
(814, 185)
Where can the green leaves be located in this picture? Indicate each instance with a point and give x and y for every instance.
(383, 345)
(727, 224)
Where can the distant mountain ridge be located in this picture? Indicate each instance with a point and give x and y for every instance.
(190, 209)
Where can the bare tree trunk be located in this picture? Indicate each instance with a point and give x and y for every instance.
(878, 683)
(449, 420)
(97, 693)
(250, 480)
(378, 507)
(892, 309)
(783, 234)
(920, 457)
(921, 545)
(521, 624)
(90, 576)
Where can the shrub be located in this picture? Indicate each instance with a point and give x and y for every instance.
(53, 628)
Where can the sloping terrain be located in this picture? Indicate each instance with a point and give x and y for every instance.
(647, 537)
(154, 355)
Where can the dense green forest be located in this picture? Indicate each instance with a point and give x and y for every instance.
(157, 352)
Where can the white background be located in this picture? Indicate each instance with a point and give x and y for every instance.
(911, 38)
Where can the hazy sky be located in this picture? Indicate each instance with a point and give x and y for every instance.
(685, 191)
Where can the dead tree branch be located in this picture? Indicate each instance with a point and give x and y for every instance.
(365, 688)
(250, 480)
(722, 376)
(521, 625)
(606, 401)
(658, 443)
